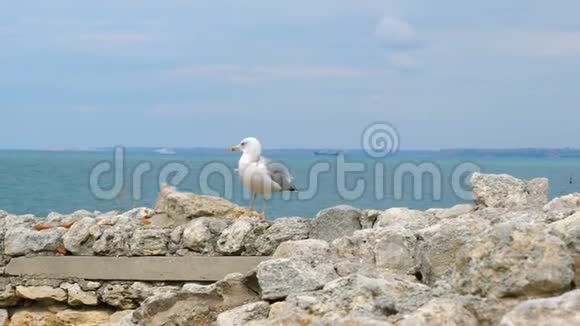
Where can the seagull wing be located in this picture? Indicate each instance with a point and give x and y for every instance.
(280, 175)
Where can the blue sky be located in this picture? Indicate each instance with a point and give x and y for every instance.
(293, 73)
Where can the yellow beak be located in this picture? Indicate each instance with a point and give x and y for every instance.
(234, 148)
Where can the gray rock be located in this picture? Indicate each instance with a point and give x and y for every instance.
(454, 211)
(240, 237)
(114, 241)
(20, 241)
(369, 218)
(440, 312)
(4, 317)
(241, 315)
(149, 241)
(195, 307)
(405, 218)
(37, 293)
(439, 244)
(512, 259)
(306, 247)
(491, 190)
(562, 310)
(280, 277)
(78, 297)
(200, 235)
(568, 230)
(8, 297)
(562, 207)
(386, 248)
(336, 222)
(181, 206)
(360, 296)
(80, 238)
(282, 229)
(118, 295)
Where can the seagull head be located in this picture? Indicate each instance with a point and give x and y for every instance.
(250, 146)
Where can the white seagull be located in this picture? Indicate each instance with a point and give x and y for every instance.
(259, 174)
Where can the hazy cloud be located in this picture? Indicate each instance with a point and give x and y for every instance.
(396, 33)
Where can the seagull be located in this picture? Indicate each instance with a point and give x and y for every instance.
(259, 174)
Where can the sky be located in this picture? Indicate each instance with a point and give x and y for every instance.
(296, 74)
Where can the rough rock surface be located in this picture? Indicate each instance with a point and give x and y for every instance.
(80, 238)
(20, 241)
(440, 312)
(280, 277)
(389, 248)
(309, 247)
(336, 222)
(506, 191)
(562, 310)
(200, 235)
(512, 259)
(41, 293)
(403, 217)
(281, 230)
(241, 315)
(196, 305)
(240, 237)
(151, 241)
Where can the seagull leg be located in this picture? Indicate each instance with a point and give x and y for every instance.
(252, 201)
(265, 206)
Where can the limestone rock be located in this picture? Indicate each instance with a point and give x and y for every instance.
(491, 190)
(562, 207)
(114, 241)
(454, 211)
(8, 297)
(181, 206)
(280, 277)
(78, 297)
(391, 248)
(200, 235)
(562, 310)
(31, 317)
(149, 241)
(118, 295)
(282, 229)
(240, 237)
(439, 244)
(82, 318)
(79, 239)
(440, 312)
(569, 230)
(41, 293)
(513, 259)
(336, 222)
(3, 313)
(360, 296)
(195, 307)
(20, 241)
(405, 218)
(369, 218)
(309, 247)
(241, 315)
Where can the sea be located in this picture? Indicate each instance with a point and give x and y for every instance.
(39, 182)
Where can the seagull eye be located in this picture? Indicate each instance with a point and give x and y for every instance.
(243, 143)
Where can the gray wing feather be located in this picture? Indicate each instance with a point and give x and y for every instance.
(280, 174)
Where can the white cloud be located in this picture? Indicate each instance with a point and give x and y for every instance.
(396, 33)
(242, 73)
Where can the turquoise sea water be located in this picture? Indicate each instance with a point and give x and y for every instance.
(39, 182)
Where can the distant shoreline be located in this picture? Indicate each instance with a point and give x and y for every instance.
(442, 153)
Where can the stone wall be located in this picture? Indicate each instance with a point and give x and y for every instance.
(499, 261)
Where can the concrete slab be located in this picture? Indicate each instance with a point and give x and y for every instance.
(132, 268)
